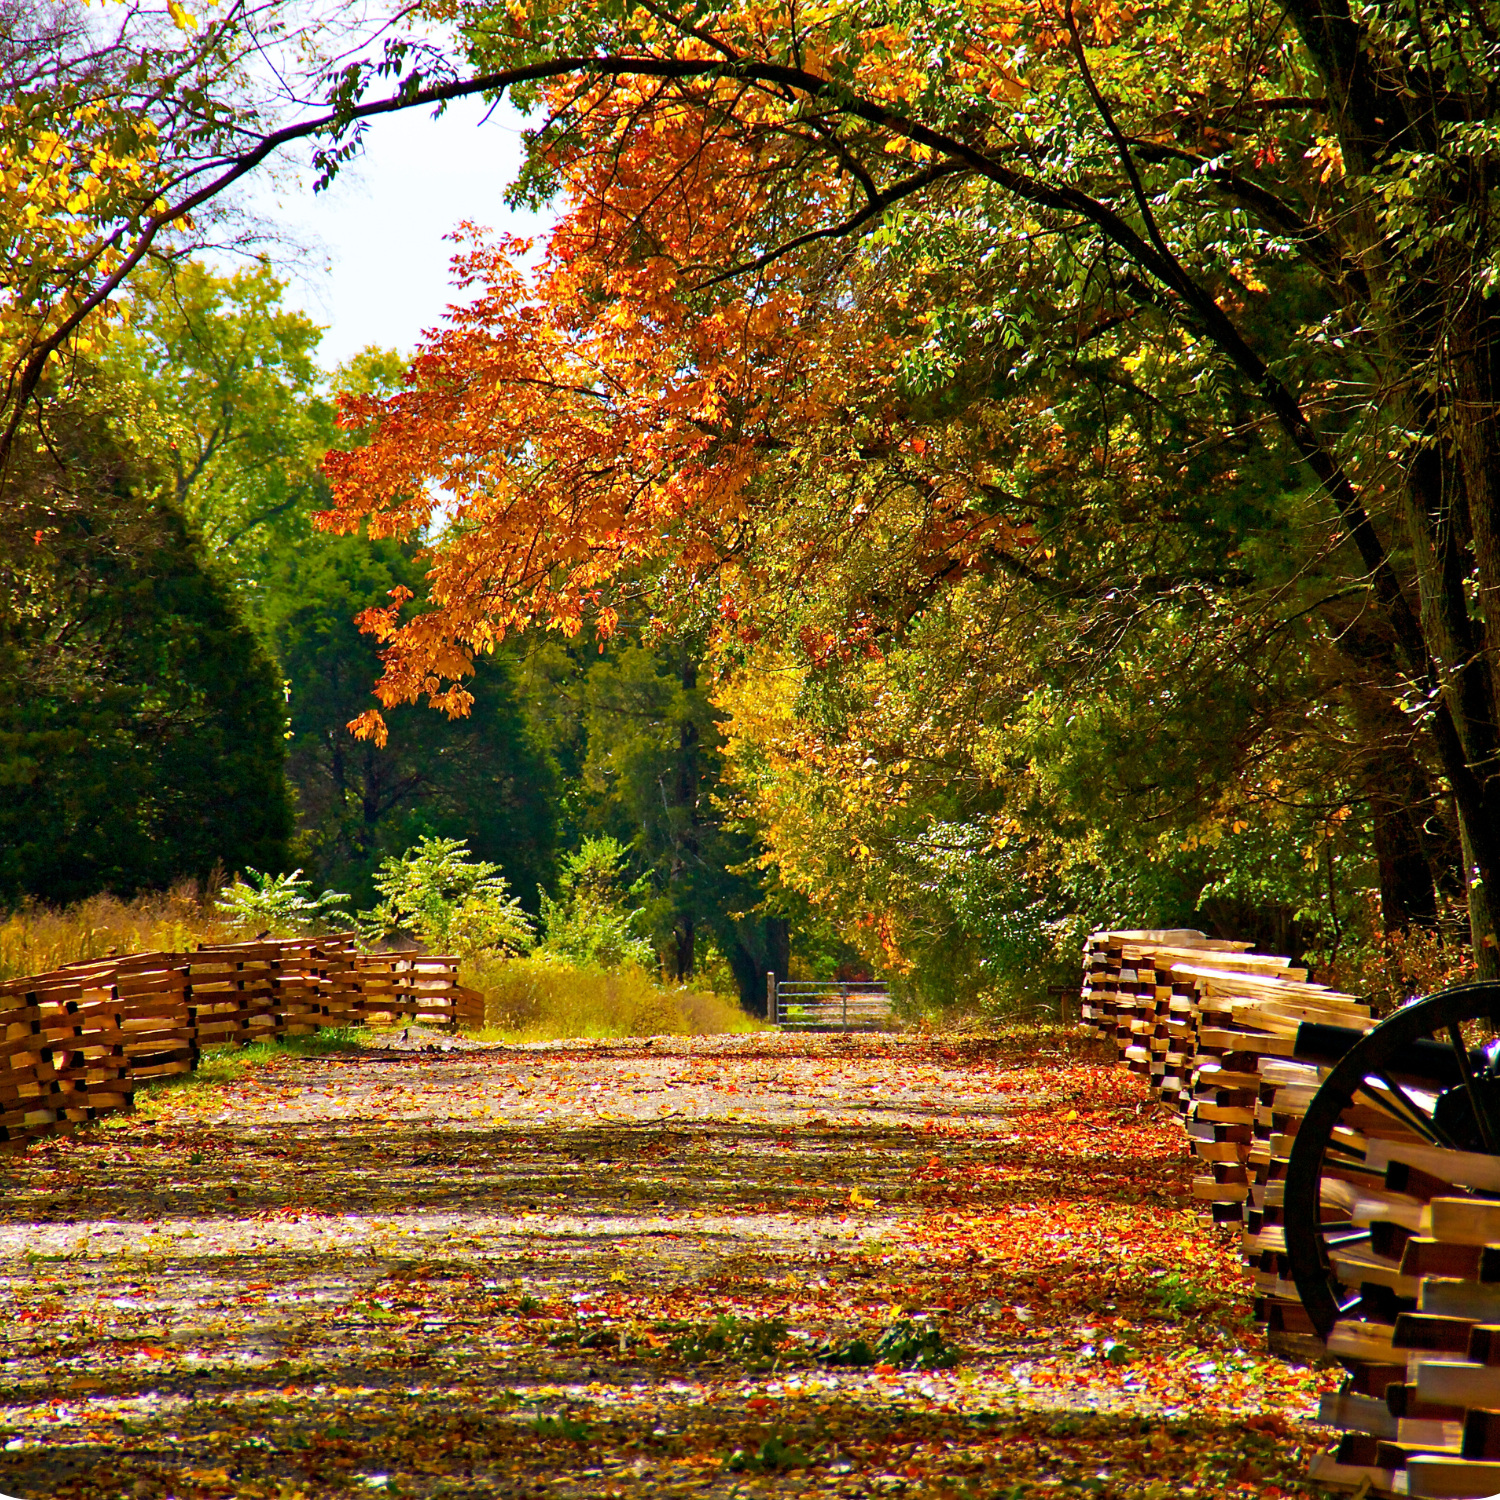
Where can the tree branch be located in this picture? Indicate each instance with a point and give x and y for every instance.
(882, 201)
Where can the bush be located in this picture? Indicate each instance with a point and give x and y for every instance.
(449, 901)
(280, 903)
(539, 999)
(591, 927)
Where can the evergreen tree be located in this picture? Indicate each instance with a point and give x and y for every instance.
(483, 779)
(141, 724)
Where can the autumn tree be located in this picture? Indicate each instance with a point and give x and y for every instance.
(1283, 215)
(1280, 214)
(487, 778)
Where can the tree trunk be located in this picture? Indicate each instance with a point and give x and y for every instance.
(1439, 344)
(685, 810)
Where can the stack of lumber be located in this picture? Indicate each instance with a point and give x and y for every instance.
(76, 1041)
(146, 995)
(1214, 1027)
(234, 992)
(1421, 1414)
(315, 983)
(409, 987)
(1127, 1000)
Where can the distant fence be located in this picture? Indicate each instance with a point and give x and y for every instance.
(76, 1041)
(834, 1005)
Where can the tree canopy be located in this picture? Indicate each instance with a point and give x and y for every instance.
(1172, 325)
(1118, 378)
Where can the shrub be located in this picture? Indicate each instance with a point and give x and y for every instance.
(280, 903)
(591, 926)
(449, 901)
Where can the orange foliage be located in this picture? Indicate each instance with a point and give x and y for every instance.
(620, 404)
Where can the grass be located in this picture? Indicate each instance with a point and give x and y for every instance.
(527, 999)
(534, 1000)
(36, 937)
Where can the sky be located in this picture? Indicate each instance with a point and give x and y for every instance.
(376, 268)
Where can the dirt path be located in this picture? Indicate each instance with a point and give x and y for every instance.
(635, 1269)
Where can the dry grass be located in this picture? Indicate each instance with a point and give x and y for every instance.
(532, 1000)
(528, 999)
(35, 938)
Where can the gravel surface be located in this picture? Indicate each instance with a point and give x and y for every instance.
(631, 1268)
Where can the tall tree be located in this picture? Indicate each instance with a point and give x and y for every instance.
(141, 724)
(642, 752)
(223, 383)
(484, 778)
(1287, 211)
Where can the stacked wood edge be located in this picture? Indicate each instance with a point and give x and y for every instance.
(76, 1042)
(1213, 1027)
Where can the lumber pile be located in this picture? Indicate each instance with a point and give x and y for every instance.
(404, 987)
(1421, 1413)
(1213, 1027)
(75, 1042)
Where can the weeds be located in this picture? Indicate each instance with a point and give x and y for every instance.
(904, 1345)
(750, 1342)
(1178, 1297)
(36, 937)
(562, 1427)
(539, 999)
(772, 1456)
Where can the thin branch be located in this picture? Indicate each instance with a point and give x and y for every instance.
(883, 201)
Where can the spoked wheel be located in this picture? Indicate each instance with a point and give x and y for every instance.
(1410, 1113)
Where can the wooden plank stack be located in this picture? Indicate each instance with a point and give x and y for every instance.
(1213, 1027)
(76, 1041)
(1421, 1414)
(396, 987)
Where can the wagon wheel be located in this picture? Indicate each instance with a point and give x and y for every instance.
(1427, 1077)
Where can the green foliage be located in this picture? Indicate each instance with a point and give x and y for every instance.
(484, 778)
(452, 903)
(223, 384)
(219, 382)
(590, 927)
(906, 1345)
(638, 745)
(141, 723)
(755, 1343)
(280, 903)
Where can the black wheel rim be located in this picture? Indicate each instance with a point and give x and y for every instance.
(1393, 1069)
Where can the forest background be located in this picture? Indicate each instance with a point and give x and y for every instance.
(949, 480)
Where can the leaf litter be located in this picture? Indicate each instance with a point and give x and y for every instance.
(718, 1266)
